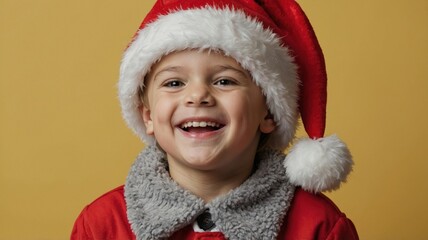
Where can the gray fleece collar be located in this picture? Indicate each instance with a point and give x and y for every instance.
(157, 206)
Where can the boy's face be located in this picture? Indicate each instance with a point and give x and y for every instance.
(204, 110)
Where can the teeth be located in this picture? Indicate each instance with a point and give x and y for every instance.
(200, 124)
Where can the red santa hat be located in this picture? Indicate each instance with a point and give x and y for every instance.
(275, 42)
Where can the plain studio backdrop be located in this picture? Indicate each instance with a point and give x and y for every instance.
(63, 141)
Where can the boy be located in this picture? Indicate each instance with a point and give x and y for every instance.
(213, 88)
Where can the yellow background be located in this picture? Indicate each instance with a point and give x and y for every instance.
(63, 142)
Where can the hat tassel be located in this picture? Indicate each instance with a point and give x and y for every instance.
(319, 164)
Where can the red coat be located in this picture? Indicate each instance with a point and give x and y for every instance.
(311, 216)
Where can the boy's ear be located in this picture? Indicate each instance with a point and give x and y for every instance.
(147, 118)
(268, 124)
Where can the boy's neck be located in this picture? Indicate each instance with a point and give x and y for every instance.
(208, 184)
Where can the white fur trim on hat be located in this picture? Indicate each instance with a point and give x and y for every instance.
(257, 49)
(319, 165)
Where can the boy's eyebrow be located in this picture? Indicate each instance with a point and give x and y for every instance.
(217, 69)
(168, 69)
(226, 67)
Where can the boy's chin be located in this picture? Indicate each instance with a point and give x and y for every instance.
(206, 162)
(199, 160)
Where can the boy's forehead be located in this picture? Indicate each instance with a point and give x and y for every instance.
(188, 52)
(175, 61)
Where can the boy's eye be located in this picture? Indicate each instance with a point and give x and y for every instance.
(173, 84)
(224, 82)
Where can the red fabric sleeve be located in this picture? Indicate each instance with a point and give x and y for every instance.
(314, 216)
(104, 219)
(343, 229)
(79, 230)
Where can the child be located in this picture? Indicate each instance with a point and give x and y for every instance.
(215, 88)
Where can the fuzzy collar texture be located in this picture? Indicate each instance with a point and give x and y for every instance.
(157, 206)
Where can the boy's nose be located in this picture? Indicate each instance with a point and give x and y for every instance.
(199, 95)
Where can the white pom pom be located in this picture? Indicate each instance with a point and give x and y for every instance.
(319, 165)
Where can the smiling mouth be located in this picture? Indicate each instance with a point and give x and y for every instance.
(200, 126)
